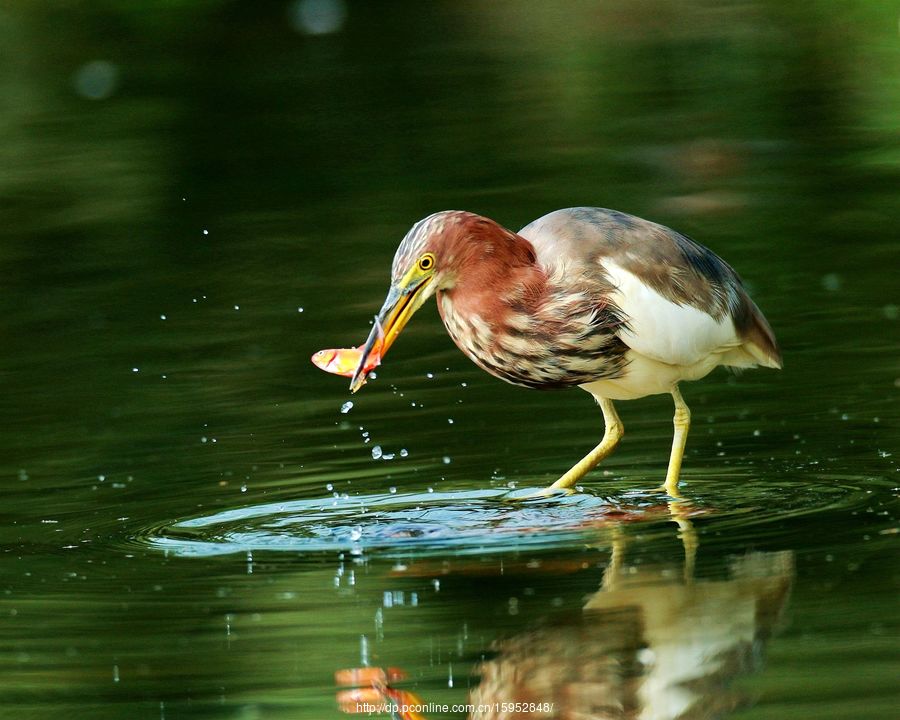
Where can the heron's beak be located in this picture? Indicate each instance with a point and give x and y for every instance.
(399, 306)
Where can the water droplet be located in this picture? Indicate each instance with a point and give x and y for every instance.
(449, 421)
(356, 533)
(446, 459)
(376, 452)
(299, 309)
(404, 452)
(134, 369)
(346, 407)
(162, 317)
(392, 490)
(115, 673)
(429, 375)
(205, 231)
(317, 17)
(237, 307)
(329, 487)
(96, 80)
(363, 650)
(832, 282)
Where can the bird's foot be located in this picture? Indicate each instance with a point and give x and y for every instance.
(669, 489)
(543, 493)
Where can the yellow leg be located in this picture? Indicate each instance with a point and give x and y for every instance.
(682, 422)
(611, 436)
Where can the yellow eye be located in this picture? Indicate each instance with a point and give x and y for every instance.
(426, 262)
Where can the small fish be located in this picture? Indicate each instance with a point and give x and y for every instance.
(345, 361)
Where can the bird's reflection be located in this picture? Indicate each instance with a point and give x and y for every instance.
(653, 641)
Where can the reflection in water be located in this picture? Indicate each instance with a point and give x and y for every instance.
(653, 642)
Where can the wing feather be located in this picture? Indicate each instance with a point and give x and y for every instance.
(663, 330)
(680, 301)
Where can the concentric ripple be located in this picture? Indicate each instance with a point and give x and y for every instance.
(472, 520)
(484, 521)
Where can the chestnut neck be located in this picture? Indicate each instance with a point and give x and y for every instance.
(489, 265)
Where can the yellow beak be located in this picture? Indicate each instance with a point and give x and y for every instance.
(398, 308)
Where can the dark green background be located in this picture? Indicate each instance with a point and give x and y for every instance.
(768, 131)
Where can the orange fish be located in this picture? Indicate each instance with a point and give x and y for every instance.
(345, 361)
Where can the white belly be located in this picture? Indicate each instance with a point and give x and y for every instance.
(644, 376)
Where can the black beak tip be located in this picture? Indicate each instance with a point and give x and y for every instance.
(357, 381)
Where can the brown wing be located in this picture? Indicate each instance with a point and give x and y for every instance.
(673, 266)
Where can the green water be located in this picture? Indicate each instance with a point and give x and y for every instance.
(191, 526)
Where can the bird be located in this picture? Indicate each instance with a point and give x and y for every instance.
(619, 306)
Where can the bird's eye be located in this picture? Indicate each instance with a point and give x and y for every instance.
(426, 262)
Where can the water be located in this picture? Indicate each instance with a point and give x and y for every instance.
(197, 198)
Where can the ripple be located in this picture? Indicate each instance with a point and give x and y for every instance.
(466, 521)
(491, 520)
